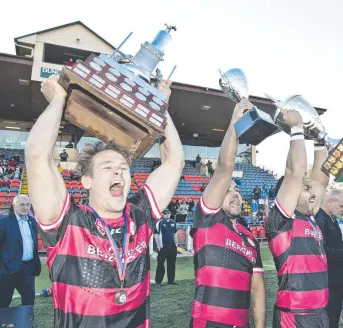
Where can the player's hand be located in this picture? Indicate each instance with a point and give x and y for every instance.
(292, 118)
(51, 89)
(164, 87)
(240, 109)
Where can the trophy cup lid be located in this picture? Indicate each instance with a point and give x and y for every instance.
(234, 84)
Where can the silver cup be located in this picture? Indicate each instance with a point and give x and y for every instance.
(313, 130)
(234, 84)
(255, 125)
(313, 127)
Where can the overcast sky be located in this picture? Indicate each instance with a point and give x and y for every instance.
(285, 47)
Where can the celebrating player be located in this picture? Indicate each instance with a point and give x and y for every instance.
(295, 240)
(98, 255)
(227, 262)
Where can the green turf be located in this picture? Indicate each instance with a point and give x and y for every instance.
(170, 305)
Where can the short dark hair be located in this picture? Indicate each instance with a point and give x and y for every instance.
(84, 161)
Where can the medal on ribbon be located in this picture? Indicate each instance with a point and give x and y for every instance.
(121, 295)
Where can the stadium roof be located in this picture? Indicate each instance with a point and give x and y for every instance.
(201, 114)
(19, 38)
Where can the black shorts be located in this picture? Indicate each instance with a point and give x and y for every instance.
(296, 320)
(196, 323)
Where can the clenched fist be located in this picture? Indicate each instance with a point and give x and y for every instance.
(51, 89)
(240, 109)
(292, 118)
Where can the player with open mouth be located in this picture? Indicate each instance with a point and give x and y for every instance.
(98, 254)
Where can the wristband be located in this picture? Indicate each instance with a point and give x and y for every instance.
(319, 147)
(297, 133)
(296, 130)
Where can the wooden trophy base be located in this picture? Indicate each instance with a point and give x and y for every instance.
(108, 113)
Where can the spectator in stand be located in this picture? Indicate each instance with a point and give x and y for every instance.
(190, 205)
(264, 196)
(2, 155)
(19, 259)
(182, 177)
(166, 240)
(257, 192)
(172, 208)
(71, 197)
(210, 169)
(70, 145)
(197, 163)
(64, 156)
(254, 208)
(84, 199)
(203, 187)
(17, 174)
(12, 162)
(60, 168)
(265, 191)
(183, 209)
(272, 194)
(260, 215)
(6, 182)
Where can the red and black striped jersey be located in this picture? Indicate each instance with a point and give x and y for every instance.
(225, 258)
(297, 247)
(83, 270)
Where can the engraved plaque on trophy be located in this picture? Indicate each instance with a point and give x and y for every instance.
(115, 101)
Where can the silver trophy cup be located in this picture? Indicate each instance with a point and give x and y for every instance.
(313, 130)
(255, 125)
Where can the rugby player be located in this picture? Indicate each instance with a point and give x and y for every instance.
(98, 255)
(227, 262)
(294, 238)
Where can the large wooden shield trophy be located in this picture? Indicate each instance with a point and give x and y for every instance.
(112, 100)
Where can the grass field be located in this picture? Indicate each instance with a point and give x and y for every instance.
(170, 305)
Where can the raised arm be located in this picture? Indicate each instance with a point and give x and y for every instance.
(164, 180)
(319, 179)
(296, 165)
(216, 190)
(46, 187)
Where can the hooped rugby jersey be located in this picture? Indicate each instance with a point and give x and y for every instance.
(225, 258)
(299, 256)
(83, 269)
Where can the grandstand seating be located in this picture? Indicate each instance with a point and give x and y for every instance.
(140, 170)
(190, 187)
(8, 192)
(74, 186)
(9, 153)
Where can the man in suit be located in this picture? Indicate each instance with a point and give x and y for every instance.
(326, 218)
(19, 260)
